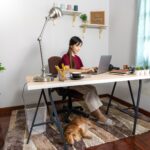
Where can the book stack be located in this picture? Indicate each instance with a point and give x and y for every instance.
(120, 71)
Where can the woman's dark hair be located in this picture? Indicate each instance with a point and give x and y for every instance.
(73, 41)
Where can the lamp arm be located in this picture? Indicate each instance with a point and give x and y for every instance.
(40, 45)
(43, 29)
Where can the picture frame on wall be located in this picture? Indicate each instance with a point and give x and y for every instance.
(97, 17)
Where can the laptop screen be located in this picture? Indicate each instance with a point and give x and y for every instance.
(104, 63)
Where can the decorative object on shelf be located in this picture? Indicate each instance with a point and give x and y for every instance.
(84, 19)
(54, 13)
(69, 7)
(97, 17)
(75, 8)
(2, 68)
(62, 6)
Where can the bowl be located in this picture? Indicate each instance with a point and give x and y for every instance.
(76, 74)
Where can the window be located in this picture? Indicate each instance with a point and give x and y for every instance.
(143, 33)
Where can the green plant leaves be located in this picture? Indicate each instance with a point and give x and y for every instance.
(83, 17)
(2, 67)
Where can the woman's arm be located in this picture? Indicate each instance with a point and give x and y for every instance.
(82, 70)
(86, 70)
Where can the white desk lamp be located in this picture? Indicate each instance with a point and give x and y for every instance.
(54, 13)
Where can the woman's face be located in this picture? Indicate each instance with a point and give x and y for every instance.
(76, 48)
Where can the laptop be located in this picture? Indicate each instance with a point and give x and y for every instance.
(103, 64)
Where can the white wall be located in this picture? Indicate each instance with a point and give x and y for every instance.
(122, 45)
(20, 25)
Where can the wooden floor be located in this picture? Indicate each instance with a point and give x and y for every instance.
(140, 142)
(4, 123)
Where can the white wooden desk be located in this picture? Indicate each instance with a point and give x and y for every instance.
(93, 79)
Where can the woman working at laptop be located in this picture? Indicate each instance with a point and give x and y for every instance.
(90, 94)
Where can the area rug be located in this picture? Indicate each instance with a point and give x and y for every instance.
(50, 139)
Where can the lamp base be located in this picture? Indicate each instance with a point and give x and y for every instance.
(42, 79)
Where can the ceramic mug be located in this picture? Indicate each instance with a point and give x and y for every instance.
(76, 75)
(75, 8)
(62, 6)
(69, 7)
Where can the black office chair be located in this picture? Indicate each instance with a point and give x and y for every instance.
(66, 92)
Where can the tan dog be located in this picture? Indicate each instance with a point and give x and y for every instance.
(78, 129)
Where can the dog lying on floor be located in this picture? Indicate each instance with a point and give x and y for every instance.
(78, 129)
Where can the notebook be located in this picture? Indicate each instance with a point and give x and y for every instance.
(103, 64)
(120, 71)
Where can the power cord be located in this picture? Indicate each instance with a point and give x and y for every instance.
(23, 93)
(23, 90)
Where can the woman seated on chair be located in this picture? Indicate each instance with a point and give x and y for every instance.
(90, 94)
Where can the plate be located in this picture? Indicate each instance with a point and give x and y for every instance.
(76, 78)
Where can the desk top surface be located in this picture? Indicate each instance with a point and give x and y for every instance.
(88, 79)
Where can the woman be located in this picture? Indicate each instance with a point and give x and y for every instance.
(90, 94)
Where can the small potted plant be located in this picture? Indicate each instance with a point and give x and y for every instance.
(137, 70)
(84, 18)
(141, 70)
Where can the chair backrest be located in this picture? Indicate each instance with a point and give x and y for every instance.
(52, 62)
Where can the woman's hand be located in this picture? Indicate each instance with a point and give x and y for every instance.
(88, 70)
(75, 70)
(84, 70)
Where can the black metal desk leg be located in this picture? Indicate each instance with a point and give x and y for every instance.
(137, 106)
(131, 93)
(46, 104)
(110, 99)
(57, 121)
(34, 117)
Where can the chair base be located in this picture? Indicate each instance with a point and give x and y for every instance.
(78, 110)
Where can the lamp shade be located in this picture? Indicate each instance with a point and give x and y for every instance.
(55, 12)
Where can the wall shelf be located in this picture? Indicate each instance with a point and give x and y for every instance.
(71, 12)
(98, 26)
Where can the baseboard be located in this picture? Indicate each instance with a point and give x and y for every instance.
(123, 102)
(7, 110)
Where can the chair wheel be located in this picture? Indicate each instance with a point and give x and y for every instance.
(80, 108)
